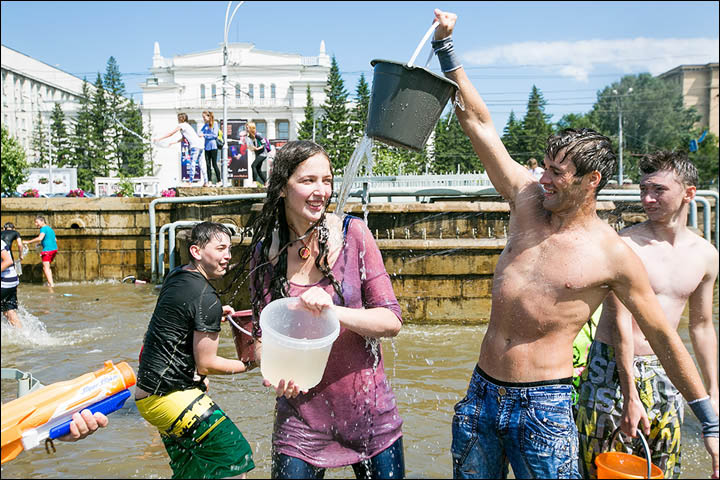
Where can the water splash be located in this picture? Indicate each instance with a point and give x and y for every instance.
(32, 332)
(362, 156)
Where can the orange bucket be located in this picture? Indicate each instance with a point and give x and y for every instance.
(624, 465)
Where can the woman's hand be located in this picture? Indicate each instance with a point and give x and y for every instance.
(316, 300)
(289, 390)
(227, 310)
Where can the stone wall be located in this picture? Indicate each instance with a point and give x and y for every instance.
(98, 238)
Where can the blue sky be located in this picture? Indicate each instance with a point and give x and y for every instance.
(569, 50)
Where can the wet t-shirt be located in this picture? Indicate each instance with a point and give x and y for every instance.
(187, 302)
(351, 414)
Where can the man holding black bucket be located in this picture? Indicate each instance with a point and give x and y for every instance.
(560, 262)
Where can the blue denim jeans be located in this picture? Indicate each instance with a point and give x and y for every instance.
(390, 463)
(528, 427)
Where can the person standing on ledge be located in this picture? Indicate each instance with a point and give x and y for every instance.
(256, 143)
(560, 262)
(49, 247)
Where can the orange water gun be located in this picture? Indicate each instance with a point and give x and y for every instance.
(47, 412)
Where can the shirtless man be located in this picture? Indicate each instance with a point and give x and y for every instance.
(682, 267)
(560, 262)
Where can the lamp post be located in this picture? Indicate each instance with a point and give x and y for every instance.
(224, 90)
(620, 136)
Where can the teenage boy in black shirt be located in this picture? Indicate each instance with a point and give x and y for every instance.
(179, 350)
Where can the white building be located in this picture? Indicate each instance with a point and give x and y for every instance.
(268, 88)
(30, 86)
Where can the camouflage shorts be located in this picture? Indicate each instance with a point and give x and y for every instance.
(600, 403)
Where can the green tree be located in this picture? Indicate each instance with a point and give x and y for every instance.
(14, 163)
(134, 146)
(653, 117)
(115, 104)
(706, 159)
(59, 139)
(398, 161)
(39, 142)
(359, 114)
(453, 148)
(305, 129)
(98, 144)
(574, 120)
(512, 136)
(536, 128)
(335, 135)
(82, 140)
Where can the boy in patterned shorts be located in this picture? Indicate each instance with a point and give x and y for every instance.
(624, 383)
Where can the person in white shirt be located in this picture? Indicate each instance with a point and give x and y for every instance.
(533, 167)
(196, 146)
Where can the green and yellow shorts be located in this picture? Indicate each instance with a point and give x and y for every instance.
(200, 440)
(600, 404)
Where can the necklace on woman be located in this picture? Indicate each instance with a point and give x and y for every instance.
(304, 251)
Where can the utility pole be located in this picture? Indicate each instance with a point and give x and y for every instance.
(50, 162)
(620, 137)
(223, 71)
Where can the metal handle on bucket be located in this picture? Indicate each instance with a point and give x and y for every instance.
(646, 447)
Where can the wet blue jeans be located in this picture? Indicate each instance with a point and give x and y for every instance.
(529, 427)
(390, 463)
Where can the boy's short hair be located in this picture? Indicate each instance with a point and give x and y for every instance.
(9, 226)
(677, 162)
(41, 218)
(204, 232)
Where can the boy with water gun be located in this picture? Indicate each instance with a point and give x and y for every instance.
(179, 350)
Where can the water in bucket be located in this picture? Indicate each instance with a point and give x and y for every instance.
(296, 342)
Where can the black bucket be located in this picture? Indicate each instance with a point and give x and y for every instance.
(406, 103)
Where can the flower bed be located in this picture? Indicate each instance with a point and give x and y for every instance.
(31, 192)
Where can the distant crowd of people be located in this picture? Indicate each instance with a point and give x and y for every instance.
(210, 140)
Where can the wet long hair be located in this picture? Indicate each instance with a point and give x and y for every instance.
(271, 220)
(589, 151)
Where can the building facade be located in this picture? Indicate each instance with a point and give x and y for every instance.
(699, 85)
(30, 86)
(267, 88)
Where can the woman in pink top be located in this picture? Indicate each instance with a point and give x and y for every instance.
(350, 417)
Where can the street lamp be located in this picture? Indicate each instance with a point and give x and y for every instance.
(224, 90)
(620, 136)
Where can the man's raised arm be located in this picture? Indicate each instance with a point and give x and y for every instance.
(507, 176)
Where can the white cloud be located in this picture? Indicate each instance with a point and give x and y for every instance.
(578, 59)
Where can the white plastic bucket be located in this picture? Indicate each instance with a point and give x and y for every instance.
(296, 343)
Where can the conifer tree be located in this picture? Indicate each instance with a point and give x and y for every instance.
(82, 140)
(115, 103)
(453, 148)
(39, 143)
(536, 128)
(335, 126)
(305, 128)
(358, 116)
(133, 144)
(59, 138)
(513, 136)
(98, 144)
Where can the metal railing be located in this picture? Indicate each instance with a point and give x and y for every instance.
(26, 382)
(171, 228)
(196, 199)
